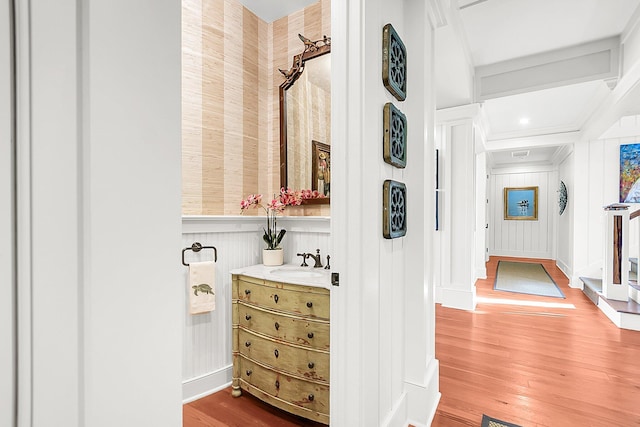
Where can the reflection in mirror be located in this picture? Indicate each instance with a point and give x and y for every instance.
(305, 120)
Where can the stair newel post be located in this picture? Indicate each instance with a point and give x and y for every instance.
(615, 271)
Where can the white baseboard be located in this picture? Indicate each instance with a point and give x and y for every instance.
(204, 385)
(621, 320)
(438, 295)
(576, 283)
(423, 398)
(460, 299)
(568, 271)
(398, 415)
(523, 254)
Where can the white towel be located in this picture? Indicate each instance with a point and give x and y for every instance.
(202, 287)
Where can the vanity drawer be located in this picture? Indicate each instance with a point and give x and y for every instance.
(307, 301)
(297, 330)
(306, 394)
(299, 361)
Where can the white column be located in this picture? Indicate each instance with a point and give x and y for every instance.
(615, 269)
(458, 251)
(7, 278)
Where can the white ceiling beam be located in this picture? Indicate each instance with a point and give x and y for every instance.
(623, 101)
(598, 60)
(533, 141)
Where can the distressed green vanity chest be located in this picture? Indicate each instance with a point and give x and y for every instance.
(281, 345)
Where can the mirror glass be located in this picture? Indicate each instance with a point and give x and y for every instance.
(306, 127)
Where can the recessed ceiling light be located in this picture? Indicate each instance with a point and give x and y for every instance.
(524, 121)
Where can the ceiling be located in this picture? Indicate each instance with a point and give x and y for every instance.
(488, 35)
(271, 10)
(493, 36)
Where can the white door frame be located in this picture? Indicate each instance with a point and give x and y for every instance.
(7, 218)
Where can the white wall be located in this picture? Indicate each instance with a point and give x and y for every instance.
(481, 254)
(7, 278)
(564, 235)
(383, 367)
(599, 187)
(207, 349)
(99, 207)
(529, 239)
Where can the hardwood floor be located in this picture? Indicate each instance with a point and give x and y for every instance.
(222, 410)
(536, 365)
(558, 365)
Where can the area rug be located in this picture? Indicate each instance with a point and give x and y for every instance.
(525, 278)
(488, 421)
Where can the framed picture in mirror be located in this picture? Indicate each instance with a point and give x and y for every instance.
(321, 168)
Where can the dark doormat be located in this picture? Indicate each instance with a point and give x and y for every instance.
(488, 421)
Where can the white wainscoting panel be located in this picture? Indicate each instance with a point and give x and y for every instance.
(207, 351)
(532, 239)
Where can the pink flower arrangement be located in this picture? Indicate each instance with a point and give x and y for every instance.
(277, 205)
(311, 194)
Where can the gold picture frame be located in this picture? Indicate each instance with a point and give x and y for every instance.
(321, 168)
(521, 203)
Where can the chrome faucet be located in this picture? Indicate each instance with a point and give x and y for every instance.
(316, 258)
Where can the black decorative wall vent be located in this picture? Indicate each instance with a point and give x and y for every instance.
(394, 63)
(394, 209)
(395, 136)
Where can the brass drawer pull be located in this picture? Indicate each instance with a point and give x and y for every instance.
(247, 291)
(309, 304)
(277, 384)
(249, 372)
(248, 317)
(247, 344)
(276, 353)
(310, 334)
(311, 397)
(277, 325)
(311, 365)
(276, 298)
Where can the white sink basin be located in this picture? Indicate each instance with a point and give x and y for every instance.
(296, 273)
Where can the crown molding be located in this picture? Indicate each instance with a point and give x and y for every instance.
(632, 26)
(461, 112)
(438, 11)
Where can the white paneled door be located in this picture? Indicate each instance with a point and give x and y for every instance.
(7, 228)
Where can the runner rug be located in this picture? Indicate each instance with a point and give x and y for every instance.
(488, 421)
(525, 278)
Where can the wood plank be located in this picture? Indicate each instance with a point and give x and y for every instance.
(220, 409)
(617, 249)
(535, 365)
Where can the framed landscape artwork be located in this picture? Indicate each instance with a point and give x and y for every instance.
(630, 173)
(521, 203)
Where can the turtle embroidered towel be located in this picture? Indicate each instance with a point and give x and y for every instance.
(202, 287)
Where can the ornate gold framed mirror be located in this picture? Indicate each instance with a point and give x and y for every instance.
(305, 120)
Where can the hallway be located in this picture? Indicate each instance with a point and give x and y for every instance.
(535, 361)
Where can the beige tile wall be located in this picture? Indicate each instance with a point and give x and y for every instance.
(230, 105)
